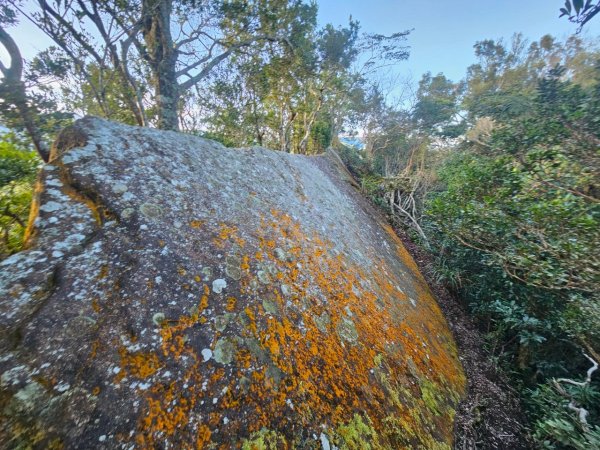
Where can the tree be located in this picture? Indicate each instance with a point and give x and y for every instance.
(298, 98)
(170, 45)
(497, 85)
(13, 96)
(255, 99)
(502, 84)
(436, 108)
(510, 213)
(518, 225)
(580, 12)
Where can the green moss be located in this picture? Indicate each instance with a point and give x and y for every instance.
(398, 395)
(398, 431)
(264, 440)
(357, 435)
(431, 397)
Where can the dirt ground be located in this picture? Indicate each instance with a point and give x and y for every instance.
(490, 417)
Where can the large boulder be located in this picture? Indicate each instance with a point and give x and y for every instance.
(176, 294)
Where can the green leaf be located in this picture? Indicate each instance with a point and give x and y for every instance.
(578, 4)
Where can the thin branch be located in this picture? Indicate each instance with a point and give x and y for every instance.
(582, 413)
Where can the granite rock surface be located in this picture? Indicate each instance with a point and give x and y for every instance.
(179, 294)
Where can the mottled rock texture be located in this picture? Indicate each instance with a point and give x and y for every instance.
(179, 294)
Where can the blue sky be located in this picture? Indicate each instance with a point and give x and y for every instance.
(445, 30)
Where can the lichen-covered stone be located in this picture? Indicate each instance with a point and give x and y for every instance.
(179, 294)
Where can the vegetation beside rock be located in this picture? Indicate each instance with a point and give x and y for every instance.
(510, 214)
(495, 177)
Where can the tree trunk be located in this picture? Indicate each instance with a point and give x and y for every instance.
(163, 55)
(308, 125)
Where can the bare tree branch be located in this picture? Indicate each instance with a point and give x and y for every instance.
(14, 91)
(582, 413)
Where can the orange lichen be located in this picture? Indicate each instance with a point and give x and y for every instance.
(94, 349)
(103, 272)
(138, 364)
(326, 395)
(164, 421)
(227, 233)
(330, 337)
(203, 436)
(245, 265)
(231, 302)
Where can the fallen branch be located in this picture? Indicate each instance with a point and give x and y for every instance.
(582, 413)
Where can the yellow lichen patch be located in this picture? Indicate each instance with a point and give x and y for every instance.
(196, 223)
(227, 233)
(99, 211)
(168, 412)
(172, 335)
(231, 302)
(265, 440)
(138, 364)
(203, 436)
(315, 362)
(31, 229)
(169, 406)
(311, 341)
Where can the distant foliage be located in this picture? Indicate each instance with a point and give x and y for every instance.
(300, 97)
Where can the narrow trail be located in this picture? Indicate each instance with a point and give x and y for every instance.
(490, 416)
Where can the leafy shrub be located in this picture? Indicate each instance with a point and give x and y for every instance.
(18, 166)
(518, 224)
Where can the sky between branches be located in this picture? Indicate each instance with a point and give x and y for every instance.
(443, 35)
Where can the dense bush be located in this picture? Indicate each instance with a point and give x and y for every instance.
(511, 215)
(516, 225)
(18, 167)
